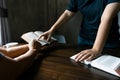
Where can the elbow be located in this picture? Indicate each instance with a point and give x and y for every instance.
(69, 13)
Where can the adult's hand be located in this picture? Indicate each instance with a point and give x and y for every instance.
(46, 35)
(87, 54)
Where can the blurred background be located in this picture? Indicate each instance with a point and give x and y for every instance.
(31, 15)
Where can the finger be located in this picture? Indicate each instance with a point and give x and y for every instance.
(48, 37)
(89, 58)
(84, 57)
(40, 36)
(80, 53)
(79, 57)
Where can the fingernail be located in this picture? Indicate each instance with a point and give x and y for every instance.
(76, 60)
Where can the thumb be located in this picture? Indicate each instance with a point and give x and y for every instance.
(40, 36)
(48, 37)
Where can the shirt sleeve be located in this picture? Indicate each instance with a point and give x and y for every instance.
(112, 1)
(73, 6)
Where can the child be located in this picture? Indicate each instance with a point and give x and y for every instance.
(15, 60)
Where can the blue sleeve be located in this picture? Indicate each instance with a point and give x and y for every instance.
(73, 6)
(112, 1)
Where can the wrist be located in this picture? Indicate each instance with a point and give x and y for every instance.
(51, 30)
(97, 50)
(32, 50)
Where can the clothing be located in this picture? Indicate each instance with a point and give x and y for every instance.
(92, 11)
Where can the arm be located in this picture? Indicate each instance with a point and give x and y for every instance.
(29, 54)
(22, 51)
(62, 19)
(9, 65)
(21, 63)
(34, 47)
(15, 51)
(109, 13)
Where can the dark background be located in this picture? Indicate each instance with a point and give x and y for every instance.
(31, 15)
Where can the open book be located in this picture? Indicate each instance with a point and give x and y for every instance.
(107, 63)
(34, 35)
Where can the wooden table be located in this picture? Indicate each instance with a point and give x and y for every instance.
(55, 64)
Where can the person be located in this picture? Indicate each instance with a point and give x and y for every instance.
(99, 26)
(15, 60)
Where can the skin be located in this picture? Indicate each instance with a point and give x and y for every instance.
(22, 58)
(18, 53)
(109, 13)
(14, 51)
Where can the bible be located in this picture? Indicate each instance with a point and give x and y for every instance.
(34, 35)
(107, 63)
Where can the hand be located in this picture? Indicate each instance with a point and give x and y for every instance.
(88, 55)
(46, 35)
(34, 44)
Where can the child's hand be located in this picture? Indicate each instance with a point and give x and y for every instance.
(34, 44)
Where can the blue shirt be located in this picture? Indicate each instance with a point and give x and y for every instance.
(92, 11)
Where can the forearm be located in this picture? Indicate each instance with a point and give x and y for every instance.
(62, 19)
(102, 35)
(29, 54)
(16, 51)
(108, 15)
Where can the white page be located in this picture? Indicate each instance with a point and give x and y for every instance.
(38, 33)
(108, 61)
(73, 57)
(30, 36)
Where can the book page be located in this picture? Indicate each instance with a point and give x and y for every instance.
(108, 64)
(38, 33)
(104, 60)
(30, 36)
(108, 61)
(73, 57)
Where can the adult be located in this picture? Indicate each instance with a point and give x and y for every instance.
(99, 26)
